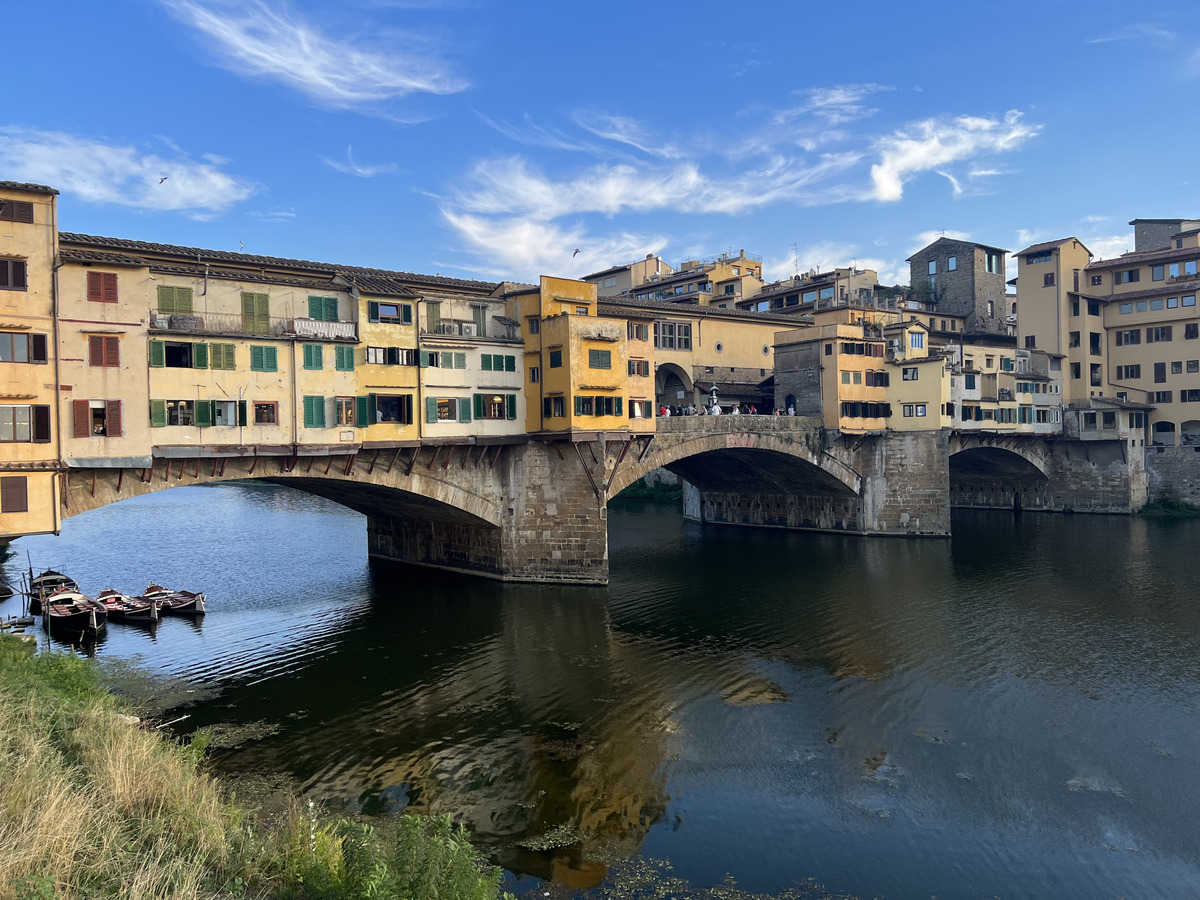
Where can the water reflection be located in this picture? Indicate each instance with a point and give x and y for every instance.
(1008, 712)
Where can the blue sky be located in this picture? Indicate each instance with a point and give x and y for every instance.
(482, 139)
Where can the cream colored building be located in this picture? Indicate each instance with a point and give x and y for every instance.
(721, 281)
(30, 421)
(622, 279)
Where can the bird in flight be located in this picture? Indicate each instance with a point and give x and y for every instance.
(576, 253)
(164, 178)
(241, 246)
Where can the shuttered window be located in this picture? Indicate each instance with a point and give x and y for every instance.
(38, 348)
(113, 423)
(323, 309)
(222, 356)
(314, 412)
(14, 494)
(82, 416)
(174, 299)
(599, 359)
(14, 275)
(263, 359)
(102, 287)
(313, 357)
(158, 413)
(16, 211)
(256, 313)
(343, 358)
(104, 351)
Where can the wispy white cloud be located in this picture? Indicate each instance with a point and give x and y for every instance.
(275, 42)
(934, 143)
(121, 174)
(827, 255)
(531, 134)
(925, 238)
(836, 105)
(954, 183)
(1108, 246)
(624, 130)
(1137, 31)
(274, 216)
(350, 167)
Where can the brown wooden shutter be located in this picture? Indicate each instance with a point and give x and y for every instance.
(14, 494)
(95, 350)
(83, 423)
(112, 418)
(38, 348)
(95, 287)
(110, 287)
(112, 352)
(41, 424)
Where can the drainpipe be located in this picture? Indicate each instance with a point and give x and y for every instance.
(295, 397)
(419, 406)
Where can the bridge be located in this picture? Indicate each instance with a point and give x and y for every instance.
(534, 509)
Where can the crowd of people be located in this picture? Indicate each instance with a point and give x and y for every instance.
(715, 409)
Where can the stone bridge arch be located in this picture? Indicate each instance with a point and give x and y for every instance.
(998, 471)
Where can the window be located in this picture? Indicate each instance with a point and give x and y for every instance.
(1161, 334)
(610, 281)
(16, 211)
(969, 382)
(910, 374)
(933, 267)
(1097, 280)
(266, 413)
(323, 309)
(104, 351)
(495, 362)
(1048, 279)
(394, 408)
(495, 406)
(1030, 342)
(172, 412)
(1094, 343)
(917, 340)
(178, 355)
(1128, 276)
(263, 359)
(23, 348)
(1190, 395)
(433, 316)
(343, 358)
(1073, 339)
(1191, 331)
(1160, 373)
(256, 313)
(314, 412)
(222, 356)
(559, 407)
(556, 359)
(1129, 337)
(1097, 374)
(1093, 308)
(102, 287)
(172, 300)
(14, 491)
(1189, 300)
(535, 326)
(730, 289)
(581, 310)
(446, 409)
(224, 412)
(1173, 270)
(25, 424)
(1156, 273)
(1193, 366)
(1172, 303)
(97, 418)
(1127, 372)
(599, 359)
(1089, 421)
(14, 275)
(313, 356)
(535, 375)
(376, 356)
(1162, 396)
(639, 367)
(344, 410)
(1189, 267)
(992, 263)
(1034, 259)
(1157, 305)
(951, 263)
(638, 331)
(584, 406)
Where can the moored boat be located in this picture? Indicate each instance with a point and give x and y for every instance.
(42, 586)
(123, 608)
(72, 611)
(175, 602)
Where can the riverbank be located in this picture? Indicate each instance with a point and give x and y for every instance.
(95, 803)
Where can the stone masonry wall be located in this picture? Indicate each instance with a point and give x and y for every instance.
(1173, 473)
(906, 482)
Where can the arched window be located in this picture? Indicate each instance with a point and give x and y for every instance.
(1164, 434)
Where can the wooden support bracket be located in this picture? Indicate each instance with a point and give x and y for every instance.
(646, 448)
(395, 456)
(329, 464)
(449, 456)
(587, 471)
(93, 482)
(253, 466)
(412, 461)
(374, 459)
(436, 453)
(120, 479)
(350, 463)
(308, 468)
(616, 466)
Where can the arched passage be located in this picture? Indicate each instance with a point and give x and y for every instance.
(672, 385)
(996, 477)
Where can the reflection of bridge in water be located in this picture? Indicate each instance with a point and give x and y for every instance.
(536, 509)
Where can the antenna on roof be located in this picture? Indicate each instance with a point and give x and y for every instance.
(795, 259)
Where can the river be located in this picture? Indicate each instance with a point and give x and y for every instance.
(1012, 712)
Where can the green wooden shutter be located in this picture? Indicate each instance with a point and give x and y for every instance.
(362, 417)
(203, 413)
(216, 356)
(510, 364)
(166, 299)
(256, 359)
(158, 413)
(158, 354)
(510, 405)
(270, 359)
(308, 412)
(313, 357)
(431, 409)
(433, 318)
(579, 406)
(256, 313)
(372, 311)
(372, 408)
(479, 406)
(405, 314)
(424, 359)
(314, 307)
(485, 362)
(183, 300)
(447, 359)
(199, 356)
(243, 418)
(617, 411)
(331, 309)
(464, 410)
(460, 360)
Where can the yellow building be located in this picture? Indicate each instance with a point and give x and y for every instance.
(836, 372)
(721, 281)
(577, 361)
(30, 424)
(386, 366)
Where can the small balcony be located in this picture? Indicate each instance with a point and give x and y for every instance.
(237, 325)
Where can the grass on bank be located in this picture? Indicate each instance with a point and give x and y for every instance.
(1168, 509)
(94, 806)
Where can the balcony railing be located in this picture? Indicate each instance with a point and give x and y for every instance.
(234, 324)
